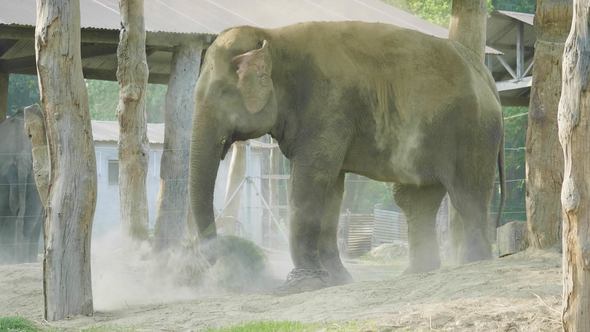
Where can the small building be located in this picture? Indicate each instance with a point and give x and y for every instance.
(107, 214)
(106, 137)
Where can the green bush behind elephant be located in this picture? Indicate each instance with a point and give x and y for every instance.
(388, 103)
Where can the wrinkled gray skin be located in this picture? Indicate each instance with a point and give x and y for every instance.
(20, 207)
(391, 104)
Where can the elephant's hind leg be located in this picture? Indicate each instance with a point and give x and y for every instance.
(471, 217)
(420, 205)
(328, 244)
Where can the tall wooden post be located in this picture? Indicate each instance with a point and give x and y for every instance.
(574, 135)
(173, 208)
(544, 159)
(72, 195)
(132, 74)
(3, 95)
(235, 176)
(468, 25)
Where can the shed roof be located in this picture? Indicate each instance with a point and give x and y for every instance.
(214, 16)
(502, 34)
(108, 131)
(523, 17)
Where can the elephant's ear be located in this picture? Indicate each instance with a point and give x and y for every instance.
(254, 77)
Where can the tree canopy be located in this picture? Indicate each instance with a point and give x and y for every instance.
(439, 11)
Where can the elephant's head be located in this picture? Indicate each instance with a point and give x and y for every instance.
(235, 101)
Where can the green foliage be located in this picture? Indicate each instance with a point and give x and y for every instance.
(241, 264)
(439, 11)
(288, 326)
(284, 326)
(435, 11)
(524, 6)
(515, 127)
(22, 91)
(17, 324)
(108, 328)
(103, 97)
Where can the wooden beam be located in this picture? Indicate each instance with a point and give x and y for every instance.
(506, 47)
(6, 45)
(3, 95)
(110, 75)
(102, 74)
(88, 51)
(506, 66)
(529, 66)
(168, 40)
(525, 82)
(519, 49)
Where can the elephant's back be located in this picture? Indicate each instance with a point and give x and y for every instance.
(373, 56)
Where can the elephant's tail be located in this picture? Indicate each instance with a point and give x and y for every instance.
(502, 181)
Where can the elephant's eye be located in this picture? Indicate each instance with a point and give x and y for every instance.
(223, 140)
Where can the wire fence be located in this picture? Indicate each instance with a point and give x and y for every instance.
(268, 231)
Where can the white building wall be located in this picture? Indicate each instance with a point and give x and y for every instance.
(107, 215)
(107, 212)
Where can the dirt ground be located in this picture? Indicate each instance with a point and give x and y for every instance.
(517, 293)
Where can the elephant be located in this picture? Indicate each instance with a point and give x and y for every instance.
(21, 210)
(391, 104)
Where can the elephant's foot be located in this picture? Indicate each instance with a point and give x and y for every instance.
(304, 280)
(338, 273)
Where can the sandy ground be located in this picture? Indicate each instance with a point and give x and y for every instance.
(517, 293)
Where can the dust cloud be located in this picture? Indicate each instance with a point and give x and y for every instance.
(126, 274)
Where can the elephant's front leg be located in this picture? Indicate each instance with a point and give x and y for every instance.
(328, 245)
(311, 188)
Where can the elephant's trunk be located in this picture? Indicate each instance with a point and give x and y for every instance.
(205, 156)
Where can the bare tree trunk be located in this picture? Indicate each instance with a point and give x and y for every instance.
(72, 194)
(574, 135)
(171, 222)
(236, 174)
(544, 159)
(35, 128)
(468, 25)
(3, 95)
(132, 74)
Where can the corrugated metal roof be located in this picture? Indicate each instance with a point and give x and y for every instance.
(214, 16)
(523, 17)
(108, 131)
